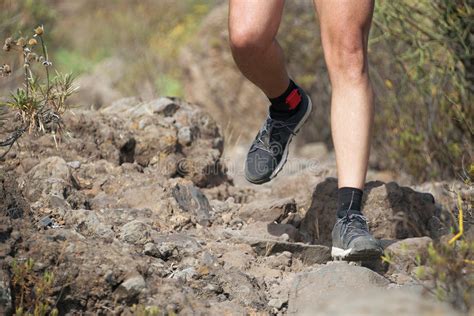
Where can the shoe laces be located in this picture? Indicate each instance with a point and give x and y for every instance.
(271, 130)
(353, 225)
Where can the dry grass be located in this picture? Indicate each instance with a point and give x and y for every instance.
(40, 102)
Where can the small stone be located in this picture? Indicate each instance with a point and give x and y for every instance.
(171, 307)
(135, 232)
(185, 274)
(221, 297)
(276, 303)
(226, 218)
(150, 249)
(191, 199)
(281, 261)
(176, 245)
(236, 223)
(284, 237)
(166, 250)
(213, 288)
(401, 278)
(74, 164)
(110, 278)
(203, 270)
(47, 211)
(131, 287)
(185, 136)
(208, 259)
(46, 222)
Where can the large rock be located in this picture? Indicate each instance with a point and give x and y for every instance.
(96, 267)
(271, 238)
(445, 193)
(176, 246)
(124, 187)
(312, 289)
(301, 184)
(51, 177)
(269, 210)
(372, 302)
(393, 212)
(131, 287)
(240, 258)
(407, 253)
(136, 232)
(308, 254)
(88, 223)
(241, 288)
(191, 199)
(167, 136)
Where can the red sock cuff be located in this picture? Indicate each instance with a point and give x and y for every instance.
(293, 99)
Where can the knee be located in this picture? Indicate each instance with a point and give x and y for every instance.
(245, 40)
(347, 59)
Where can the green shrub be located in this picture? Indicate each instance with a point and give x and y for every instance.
(451, 269)
(447, 272)
(33, 294)
(40, 103)
(425, 112)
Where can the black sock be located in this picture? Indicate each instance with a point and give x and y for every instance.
(286, 104)
(349, 201)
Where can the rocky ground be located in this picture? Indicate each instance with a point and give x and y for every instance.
(140, 206)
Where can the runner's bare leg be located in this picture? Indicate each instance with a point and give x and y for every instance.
(345, 28)
(253, 25)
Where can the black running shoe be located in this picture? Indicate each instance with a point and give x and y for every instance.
(352, 241)
(269, 151)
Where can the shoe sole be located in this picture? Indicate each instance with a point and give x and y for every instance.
(286, 151)
(359, 255)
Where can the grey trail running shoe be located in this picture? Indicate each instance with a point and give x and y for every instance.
(269, 151)
(351, 240)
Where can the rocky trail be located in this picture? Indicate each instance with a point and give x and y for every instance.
(140, 205)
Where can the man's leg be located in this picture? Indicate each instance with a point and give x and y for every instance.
(253, 25)
(345, 28)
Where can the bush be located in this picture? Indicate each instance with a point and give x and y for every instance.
(40, 103)
(33, 294)
(424, 78)
(447, 268)
(451, 270)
